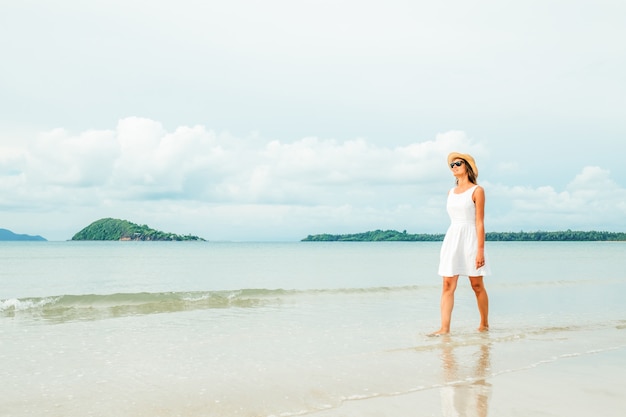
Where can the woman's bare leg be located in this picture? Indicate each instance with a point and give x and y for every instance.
(482, 299)
(447, 304)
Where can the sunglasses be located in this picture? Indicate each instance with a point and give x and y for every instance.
(456, 163)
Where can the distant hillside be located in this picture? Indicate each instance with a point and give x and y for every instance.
(393, 235)
(115, 229)
(375, 236)
(10, 236)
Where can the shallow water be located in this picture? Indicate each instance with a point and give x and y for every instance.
(281, 329)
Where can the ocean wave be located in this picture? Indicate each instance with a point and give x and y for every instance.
(97, 306)
(92, 306)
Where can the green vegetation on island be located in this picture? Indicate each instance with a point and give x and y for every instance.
(375, 236)
(395, 236)
(115, 229)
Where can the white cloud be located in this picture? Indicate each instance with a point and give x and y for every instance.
(592, 200)
(140, 167)
(594, 180)
(56, 158)
(195, 180)
(508, 167)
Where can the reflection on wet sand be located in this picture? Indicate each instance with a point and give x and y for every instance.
(466, 391)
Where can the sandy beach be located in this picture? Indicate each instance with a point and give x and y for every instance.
(591, 383)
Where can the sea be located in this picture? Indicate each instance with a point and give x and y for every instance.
(286, 329)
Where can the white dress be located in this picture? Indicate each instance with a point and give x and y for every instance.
(460, 245)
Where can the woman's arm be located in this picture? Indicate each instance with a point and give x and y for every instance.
(479, 202)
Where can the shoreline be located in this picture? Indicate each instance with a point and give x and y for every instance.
(573, 386)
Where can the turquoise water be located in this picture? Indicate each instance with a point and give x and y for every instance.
(281, 329)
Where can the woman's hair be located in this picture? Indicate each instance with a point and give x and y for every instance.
(471, 176)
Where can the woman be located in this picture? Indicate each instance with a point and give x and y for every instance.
(463, 248)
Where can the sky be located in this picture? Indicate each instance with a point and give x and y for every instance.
(245, 120)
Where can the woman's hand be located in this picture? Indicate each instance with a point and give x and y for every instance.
(480, 259)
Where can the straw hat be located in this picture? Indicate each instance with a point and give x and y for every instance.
(467, 158)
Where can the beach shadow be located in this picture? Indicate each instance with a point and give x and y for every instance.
(466, 392)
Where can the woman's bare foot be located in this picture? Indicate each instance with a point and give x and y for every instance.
(483, 328)
(439, 332)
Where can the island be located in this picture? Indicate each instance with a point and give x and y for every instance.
(394, 235)
(116, 229)
(7, 235)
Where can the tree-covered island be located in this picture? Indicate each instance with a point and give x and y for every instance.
(395, 236)
(115, 229)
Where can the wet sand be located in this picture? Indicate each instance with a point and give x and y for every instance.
(577, 386)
